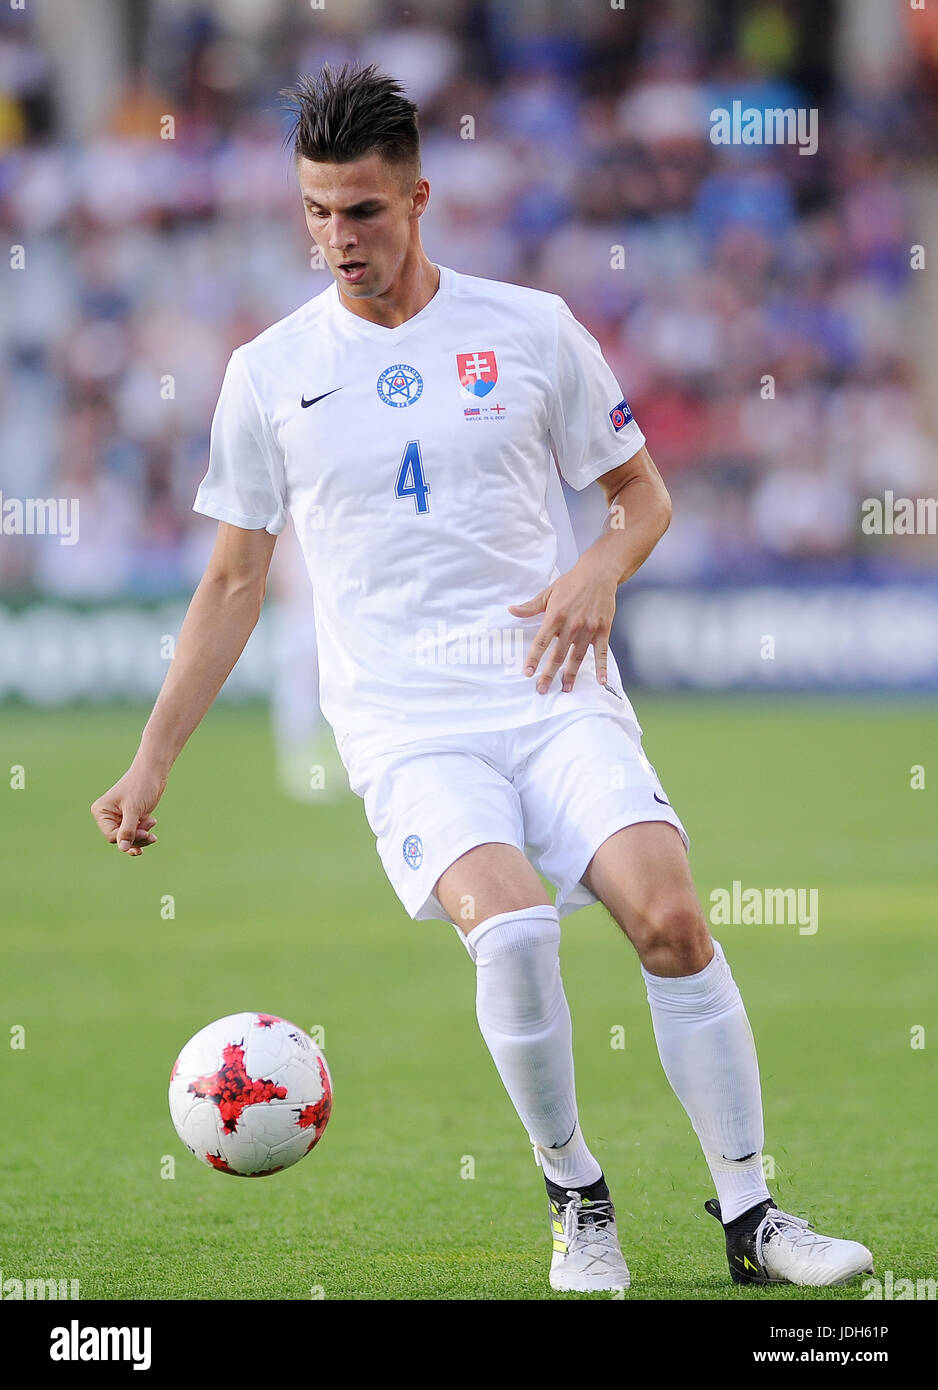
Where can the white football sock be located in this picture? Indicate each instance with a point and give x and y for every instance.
(525, 1021)
(709, 1057)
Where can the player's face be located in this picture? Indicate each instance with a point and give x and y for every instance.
(363, 216)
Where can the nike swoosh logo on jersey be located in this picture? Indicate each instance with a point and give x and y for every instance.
(306, 404)
(660, 800)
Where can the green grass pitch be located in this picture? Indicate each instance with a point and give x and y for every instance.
(284, 908)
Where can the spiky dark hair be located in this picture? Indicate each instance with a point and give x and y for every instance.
(347, 113)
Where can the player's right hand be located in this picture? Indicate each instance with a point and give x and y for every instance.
(123, 813)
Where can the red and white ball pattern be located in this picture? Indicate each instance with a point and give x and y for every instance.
(250, 1094)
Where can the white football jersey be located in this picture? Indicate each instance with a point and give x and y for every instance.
(417, 465)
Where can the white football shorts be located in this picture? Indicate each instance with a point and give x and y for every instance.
(556, 789)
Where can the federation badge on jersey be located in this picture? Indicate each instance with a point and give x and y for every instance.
(478, 372)
(620, 416)
(413, 851)
(400, 385)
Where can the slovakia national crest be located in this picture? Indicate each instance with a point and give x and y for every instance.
(478, 372)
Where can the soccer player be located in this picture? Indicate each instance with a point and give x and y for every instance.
(412, 420)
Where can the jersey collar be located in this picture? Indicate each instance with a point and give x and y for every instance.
(377, 331)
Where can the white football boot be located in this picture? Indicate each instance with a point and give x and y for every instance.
(774, 1247)
(586, 1255)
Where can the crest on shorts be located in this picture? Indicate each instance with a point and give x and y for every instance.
(413, 851)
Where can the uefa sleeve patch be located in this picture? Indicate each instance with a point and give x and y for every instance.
(621, 416)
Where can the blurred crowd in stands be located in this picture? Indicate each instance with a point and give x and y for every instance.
(760, 315)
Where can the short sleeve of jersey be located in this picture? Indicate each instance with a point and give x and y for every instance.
(591, 427)
(245, 484)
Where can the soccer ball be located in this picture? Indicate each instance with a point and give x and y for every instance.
(250, 1094)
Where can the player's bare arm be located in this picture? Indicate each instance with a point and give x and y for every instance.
(580, 605)
(221, 617)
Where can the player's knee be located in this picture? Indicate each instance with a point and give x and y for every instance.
(675, 939)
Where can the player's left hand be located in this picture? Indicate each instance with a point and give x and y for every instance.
(578, 611)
